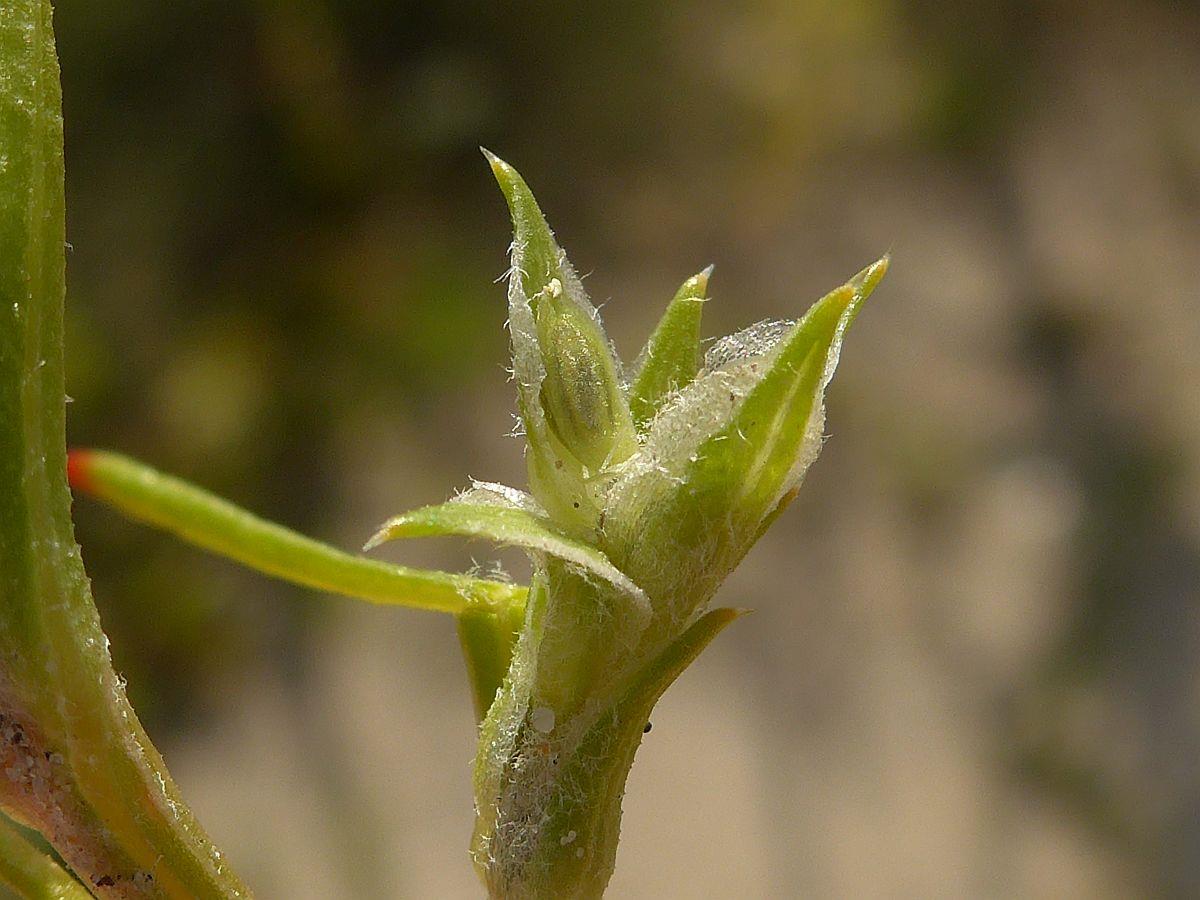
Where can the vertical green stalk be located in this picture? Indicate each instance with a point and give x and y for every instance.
(31, 873)
(75, 762)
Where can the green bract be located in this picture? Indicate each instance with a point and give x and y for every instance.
(672, 355)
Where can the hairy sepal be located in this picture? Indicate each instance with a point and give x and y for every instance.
(671, 357)
(564, 460)
(512, 527)
(724, 455)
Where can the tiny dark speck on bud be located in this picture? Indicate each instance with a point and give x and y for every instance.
(646, 730)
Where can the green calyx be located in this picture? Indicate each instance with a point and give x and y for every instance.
(671, 357)
(669, 479)
(570, 392)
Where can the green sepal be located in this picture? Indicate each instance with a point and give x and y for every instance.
(521, 528)
(775, 433)
(563, 456)
(671, 357)
(723, 457)
(537, 258)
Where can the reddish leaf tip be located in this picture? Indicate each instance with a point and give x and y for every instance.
(79, 470)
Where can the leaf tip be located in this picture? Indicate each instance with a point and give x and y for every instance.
(697, 285)
(868, 279)
(382, 536)
(493, 160)
(723, 615)
(79, 469)
(507, 177)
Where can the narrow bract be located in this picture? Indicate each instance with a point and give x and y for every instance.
(671, 357)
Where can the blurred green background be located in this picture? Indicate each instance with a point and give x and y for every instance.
(975, 667)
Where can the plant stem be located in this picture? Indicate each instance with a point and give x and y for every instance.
(32, 874)
(77, 764)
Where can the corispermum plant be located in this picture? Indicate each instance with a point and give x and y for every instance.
(647, 485)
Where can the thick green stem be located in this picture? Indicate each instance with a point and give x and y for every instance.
(32, 874)
(548, 789)
(76, 763)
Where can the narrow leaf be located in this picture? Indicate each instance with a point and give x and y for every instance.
(207, 521)
(487, 634)
(509, 527)
(672, 355)
(649, 686)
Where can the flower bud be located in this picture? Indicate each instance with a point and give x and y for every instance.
(580, 395)
(572, 403)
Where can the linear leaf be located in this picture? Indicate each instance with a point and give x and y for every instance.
(207, 521)
(652, 682)
(487, 635)
(488, 612)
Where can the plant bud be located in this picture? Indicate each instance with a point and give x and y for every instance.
(580, 394)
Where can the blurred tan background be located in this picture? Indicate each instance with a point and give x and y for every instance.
(975, 666)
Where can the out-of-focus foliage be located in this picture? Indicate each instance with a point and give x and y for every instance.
(985, 614)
